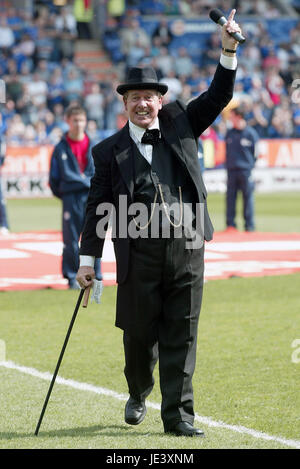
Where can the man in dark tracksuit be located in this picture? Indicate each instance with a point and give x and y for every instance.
(241, 149)
(71, 170)
(153, 160)
(3, 215)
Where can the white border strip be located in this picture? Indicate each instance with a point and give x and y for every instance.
(123, 397)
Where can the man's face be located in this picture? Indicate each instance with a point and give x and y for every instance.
(77, 124)
(238, 122)
(142, 106)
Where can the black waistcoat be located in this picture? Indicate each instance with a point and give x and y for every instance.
(167, 172)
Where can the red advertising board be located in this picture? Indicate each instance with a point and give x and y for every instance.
(26, 169)
(272, 153)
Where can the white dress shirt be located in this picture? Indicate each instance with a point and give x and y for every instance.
(228, 62)
(136, 133)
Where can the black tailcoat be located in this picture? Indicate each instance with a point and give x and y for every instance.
(160, 281)
(181, 126)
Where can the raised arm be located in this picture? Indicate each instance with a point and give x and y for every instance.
(203, 110)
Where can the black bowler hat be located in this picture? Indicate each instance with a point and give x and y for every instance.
(142, 79)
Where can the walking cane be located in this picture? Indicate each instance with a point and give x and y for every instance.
(86, 293)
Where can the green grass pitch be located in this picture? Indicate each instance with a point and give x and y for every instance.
(246, 376)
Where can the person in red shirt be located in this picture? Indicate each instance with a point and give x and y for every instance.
(80, 149)
(71, 169)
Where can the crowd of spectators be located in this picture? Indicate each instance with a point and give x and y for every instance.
(42, 77)
(190, 8)
(267, 75)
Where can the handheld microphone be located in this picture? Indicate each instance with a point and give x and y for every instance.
(217, 16)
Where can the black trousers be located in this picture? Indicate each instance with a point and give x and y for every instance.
(161, 302)
(240, 179)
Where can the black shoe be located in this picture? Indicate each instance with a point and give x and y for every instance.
(185, 429)
(135, 411)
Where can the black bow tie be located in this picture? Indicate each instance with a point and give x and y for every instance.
(151, 137)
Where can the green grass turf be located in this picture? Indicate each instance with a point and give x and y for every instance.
(274, 212)
(34, 214)
(244, 373)
(278, 212)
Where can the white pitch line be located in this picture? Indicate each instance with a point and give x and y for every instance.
(123, 397)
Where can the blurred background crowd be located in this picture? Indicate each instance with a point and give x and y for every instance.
(42, 76)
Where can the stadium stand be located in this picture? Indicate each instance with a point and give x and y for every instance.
(46, 63)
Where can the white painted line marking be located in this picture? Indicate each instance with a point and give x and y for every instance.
(53, 248)
(123, 397)
(248, 246)
(13, 254)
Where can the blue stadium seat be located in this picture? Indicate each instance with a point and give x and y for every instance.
(112, 43)
(148, 7)
(279, 29)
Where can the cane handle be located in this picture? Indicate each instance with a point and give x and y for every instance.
(86, 296)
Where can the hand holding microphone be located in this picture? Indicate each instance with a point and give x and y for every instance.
(231, 31)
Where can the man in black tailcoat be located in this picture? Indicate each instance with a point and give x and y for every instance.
(150, 166)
